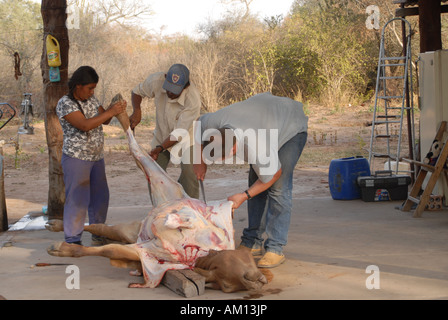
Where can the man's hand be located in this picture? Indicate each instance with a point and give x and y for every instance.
(237, 199)
(154, 153)
(135, 118)
(200, 170)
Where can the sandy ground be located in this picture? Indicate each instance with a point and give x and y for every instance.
(331, 242)
(26, 168)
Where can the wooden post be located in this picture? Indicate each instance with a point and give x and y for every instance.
(54, 18)
(186, 283)
(3, 211)
(408, 101)
(430, 25)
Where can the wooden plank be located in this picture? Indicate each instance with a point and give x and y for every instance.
(198, 280)
(424, 199)
(186, 283)
(430, 25)
(414, 11)
(437, 169)
(409, 2)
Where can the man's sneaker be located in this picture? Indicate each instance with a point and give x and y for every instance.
(271, 260)
(255, 252)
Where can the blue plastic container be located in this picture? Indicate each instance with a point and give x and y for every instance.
(342, 177)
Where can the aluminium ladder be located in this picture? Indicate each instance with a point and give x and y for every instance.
(393, 96)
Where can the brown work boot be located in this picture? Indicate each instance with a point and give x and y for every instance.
(255, 252)
(271, 260)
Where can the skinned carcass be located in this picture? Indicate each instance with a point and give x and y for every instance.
(174, 235)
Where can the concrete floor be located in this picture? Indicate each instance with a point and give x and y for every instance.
(332, 248)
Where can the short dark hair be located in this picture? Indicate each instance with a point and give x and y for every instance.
(82, 76)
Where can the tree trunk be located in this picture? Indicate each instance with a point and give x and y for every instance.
(54, 19)
(3, 211)
(430, 25)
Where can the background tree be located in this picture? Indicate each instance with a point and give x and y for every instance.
(320, 52)
(20, 32)
(54, 17)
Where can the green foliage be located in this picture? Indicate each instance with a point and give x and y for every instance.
(335, 42)
(321, 52)
(21, 32)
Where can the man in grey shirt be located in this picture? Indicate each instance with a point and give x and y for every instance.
(269, 133)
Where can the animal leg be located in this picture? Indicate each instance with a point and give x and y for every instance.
(55, 225)
(111, 251)
(125, 232)
(136, 265)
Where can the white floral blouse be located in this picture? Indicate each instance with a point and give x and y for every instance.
(88, 146)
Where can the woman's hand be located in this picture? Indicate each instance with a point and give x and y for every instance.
(118, 108)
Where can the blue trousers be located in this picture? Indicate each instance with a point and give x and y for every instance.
(270, 211)
(86, 190)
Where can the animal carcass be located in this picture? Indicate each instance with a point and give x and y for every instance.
(175, 234)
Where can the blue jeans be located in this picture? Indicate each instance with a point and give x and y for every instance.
(86, 190)
(270, 211)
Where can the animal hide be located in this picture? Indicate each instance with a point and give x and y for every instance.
(179, 229)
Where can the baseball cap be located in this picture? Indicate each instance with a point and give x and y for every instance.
(176, 78)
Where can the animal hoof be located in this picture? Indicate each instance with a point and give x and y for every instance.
(136, 285)
(135, 273)
(55, 225)
(62, 249)
(55, 249)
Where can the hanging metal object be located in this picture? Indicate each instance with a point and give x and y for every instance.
(27, 114)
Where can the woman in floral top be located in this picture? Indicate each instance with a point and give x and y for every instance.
(81, 117)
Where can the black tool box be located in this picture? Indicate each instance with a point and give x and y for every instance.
(384, 186)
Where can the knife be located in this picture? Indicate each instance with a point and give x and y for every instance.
(201, 182)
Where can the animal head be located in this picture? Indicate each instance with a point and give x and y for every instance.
(230, 270)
